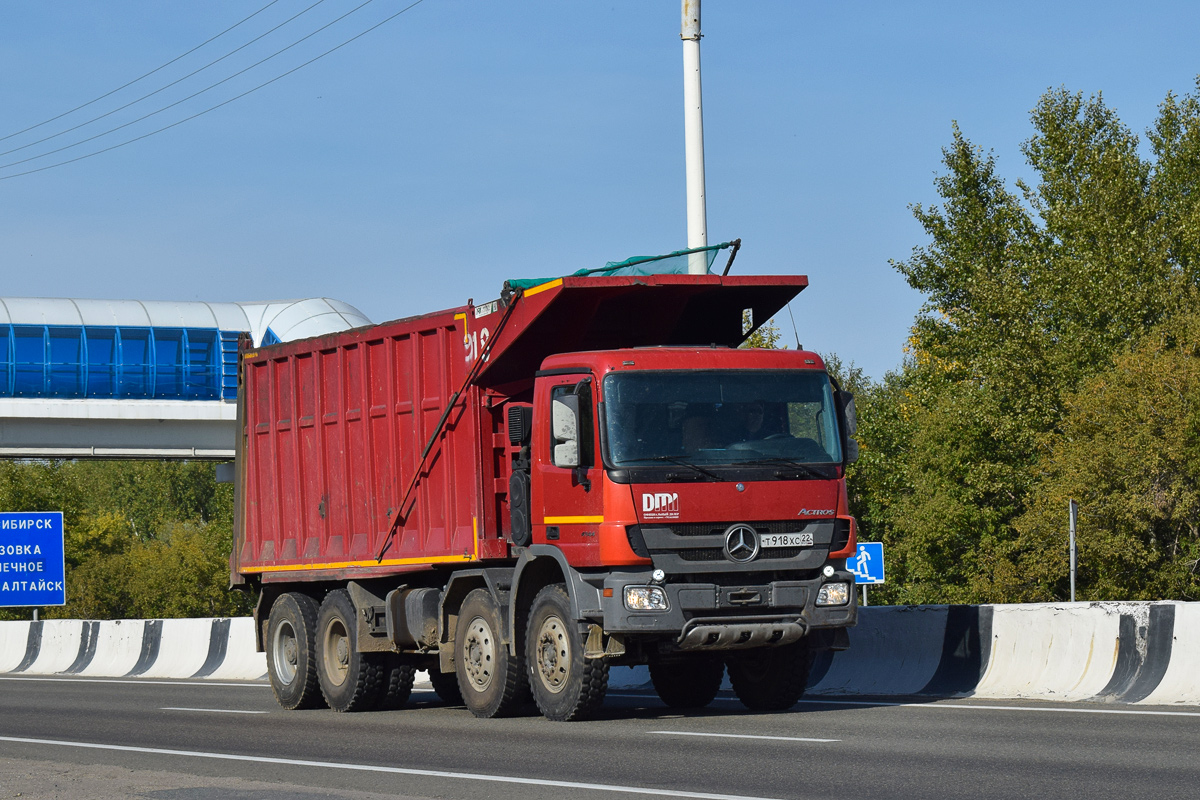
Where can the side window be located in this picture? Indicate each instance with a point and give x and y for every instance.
(587, 434)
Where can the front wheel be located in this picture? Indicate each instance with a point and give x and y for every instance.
(770, 679)
(565, 685)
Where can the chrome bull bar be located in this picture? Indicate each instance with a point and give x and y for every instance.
(736, 633)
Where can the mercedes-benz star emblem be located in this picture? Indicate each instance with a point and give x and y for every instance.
(741, 542)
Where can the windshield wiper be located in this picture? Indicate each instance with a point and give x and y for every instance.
(682, 463)
(803, 469)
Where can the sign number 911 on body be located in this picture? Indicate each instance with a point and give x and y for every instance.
(32, 568)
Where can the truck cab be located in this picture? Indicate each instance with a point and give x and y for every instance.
(699, 493)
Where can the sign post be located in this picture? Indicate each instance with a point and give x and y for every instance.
(32, 565)
(1073, 518)
(867, 565)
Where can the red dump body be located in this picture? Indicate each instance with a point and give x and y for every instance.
(333, 427)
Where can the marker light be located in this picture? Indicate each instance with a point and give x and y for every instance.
(658, 576)
(828, 571)
(645, 598)
(834, 594)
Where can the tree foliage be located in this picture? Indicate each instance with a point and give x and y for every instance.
(1038, 302)
(143, 539)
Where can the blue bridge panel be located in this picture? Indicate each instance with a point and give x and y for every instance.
(118, 362)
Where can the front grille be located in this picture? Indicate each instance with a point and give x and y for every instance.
(717, 554)
(718, 528)
(702, 554)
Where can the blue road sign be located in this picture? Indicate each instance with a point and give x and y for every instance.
(867, 564)
(32, 572)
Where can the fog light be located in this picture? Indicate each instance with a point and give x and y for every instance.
(645, 598)
(834, 594)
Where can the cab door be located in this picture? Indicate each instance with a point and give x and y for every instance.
(571, 497)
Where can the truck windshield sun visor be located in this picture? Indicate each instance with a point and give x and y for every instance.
(700, 419)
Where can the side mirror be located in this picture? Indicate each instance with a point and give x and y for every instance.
(849, 421)
(564, 423)
(845, 403)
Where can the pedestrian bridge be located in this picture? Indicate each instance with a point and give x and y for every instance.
(136, 379)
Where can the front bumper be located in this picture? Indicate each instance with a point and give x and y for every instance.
(725, 616)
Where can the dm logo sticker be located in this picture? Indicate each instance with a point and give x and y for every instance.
(660, 505)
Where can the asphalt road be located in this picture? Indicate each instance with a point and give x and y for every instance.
(78, 738)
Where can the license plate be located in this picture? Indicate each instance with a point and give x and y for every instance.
(786, 540)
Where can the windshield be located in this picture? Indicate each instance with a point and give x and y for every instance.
(720, 417)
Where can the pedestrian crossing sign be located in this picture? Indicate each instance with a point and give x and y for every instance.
(867, 563)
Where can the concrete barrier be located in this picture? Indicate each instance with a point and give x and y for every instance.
(14, 640)
(220, 649)
(1175, 654)
(894, 650)
(1053, 652)
(1145, 653)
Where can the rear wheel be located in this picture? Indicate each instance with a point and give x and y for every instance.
(350, 680)
(291, 651)
(491, 680)
(565, 685)
(397, 682)
(691, 683)
(770, 679)
(446, 686)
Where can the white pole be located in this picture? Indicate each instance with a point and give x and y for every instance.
(693, 138)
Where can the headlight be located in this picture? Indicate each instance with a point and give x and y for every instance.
(645, 598)
(834, 594)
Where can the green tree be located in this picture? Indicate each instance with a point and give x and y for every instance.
(1129, 453)
(142, 538)
(1029, 296)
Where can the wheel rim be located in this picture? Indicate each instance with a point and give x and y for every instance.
(553, 654)
(285, 650)
(479, 654)
(336, 651)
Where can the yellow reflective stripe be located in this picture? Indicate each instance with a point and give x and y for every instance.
(543, 287)
(387, 562)
(571, 520)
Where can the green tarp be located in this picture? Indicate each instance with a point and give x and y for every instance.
(670, 264)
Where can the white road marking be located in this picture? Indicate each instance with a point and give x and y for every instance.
(430, 773)
(213, 710)
(139, 681)
(973, 707)
(745, 736)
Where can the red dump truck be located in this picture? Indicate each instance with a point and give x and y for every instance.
(516, 495)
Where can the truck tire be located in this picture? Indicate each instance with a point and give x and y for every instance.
(445, 684)
(492, 681)
(350, 680)
(397, 682)
(565, 685)
(770, 679)
(691, 683)
(291, 651)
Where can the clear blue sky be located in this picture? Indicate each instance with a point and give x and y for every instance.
(463, 143)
